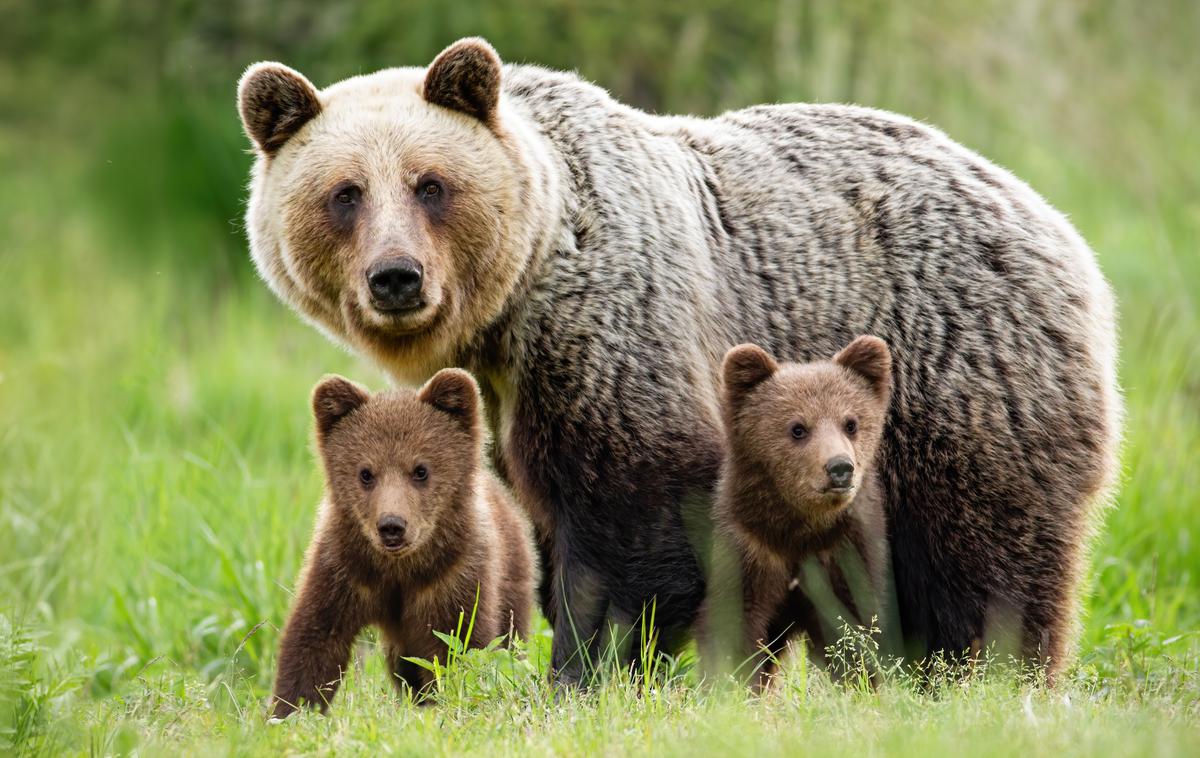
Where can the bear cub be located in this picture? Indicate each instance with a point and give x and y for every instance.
(412, 532)
(799, 506)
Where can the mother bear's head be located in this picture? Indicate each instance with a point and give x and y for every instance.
(397, 210)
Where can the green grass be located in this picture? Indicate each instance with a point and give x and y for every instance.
(157, 488)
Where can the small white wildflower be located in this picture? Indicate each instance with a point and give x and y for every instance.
(1027, 707)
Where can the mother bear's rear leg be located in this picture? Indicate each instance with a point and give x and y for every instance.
(993, 571)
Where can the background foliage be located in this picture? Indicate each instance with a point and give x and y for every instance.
(156, 485)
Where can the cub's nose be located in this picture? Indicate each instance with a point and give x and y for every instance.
(841, 471)
(391, 531)
(395, 283)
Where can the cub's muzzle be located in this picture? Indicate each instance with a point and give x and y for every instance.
(392, 532)
(840, 471)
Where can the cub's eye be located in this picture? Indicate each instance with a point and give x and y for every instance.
(799, 431)
(420, 474)
(366, 477)
(347, 196)
(851, 426)
(430, 189)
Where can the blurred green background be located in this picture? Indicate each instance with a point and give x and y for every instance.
(156, 485)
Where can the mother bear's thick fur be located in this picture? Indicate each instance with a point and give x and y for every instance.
(591, 264)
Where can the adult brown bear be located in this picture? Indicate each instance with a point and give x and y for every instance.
(591, 264)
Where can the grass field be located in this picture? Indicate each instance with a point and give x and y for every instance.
(157, 487)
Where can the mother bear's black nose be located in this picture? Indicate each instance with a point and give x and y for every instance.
(395, 283)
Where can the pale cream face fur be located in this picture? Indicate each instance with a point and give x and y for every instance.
(377, 133)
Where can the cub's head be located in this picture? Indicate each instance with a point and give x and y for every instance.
(395, 210)
(812, 428)
(399, 462)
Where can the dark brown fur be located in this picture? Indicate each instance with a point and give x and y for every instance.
(465, 546)
(805, 553)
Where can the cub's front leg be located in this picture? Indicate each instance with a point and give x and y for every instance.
(766, 627)
(408, 675)
(320, 631)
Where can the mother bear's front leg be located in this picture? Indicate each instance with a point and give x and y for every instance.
(623, 501)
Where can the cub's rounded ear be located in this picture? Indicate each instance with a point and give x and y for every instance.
(455, 392)
(870, 358)
(466, 77)
(745, 367)
(333, 399)
(275, 101)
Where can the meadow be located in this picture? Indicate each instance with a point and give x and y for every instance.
(157, 483)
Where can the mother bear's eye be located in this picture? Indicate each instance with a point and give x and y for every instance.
(799, 431)
(430, 189)
(348, 195)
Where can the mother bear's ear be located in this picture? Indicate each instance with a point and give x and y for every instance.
(274, 102)
(466, 77)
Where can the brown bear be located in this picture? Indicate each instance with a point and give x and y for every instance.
(799, 502)
(591, 264)
(413, 531)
